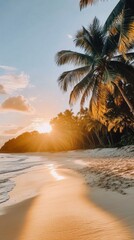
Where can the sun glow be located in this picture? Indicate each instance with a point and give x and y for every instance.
(44, 128)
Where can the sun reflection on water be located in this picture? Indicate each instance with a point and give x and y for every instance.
(54, 173)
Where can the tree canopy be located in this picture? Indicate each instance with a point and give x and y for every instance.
(120, 20)
(102, 75)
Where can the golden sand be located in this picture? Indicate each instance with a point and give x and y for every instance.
(60, 210)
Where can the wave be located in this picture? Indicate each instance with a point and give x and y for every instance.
(12, 165)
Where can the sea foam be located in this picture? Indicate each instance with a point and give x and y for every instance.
(12, 165)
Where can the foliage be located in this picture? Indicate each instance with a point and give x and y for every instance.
(103, 76)
(70, 132)
(120, 20)
(127, 138)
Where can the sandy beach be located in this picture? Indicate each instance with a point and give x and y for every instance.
(53, 202)
(67, 120)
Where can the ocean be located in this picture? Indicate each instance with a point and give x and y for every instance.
(12, 165)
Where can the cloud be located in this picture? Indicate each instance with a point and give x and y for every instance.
(18, 103)
(7, 68)
(12, 131)
(70, 36)
(32, 99)
(13, 82)
(38, 120)
(2, 90)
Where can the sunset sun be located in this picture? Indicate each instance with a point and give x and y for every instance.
(44, 128)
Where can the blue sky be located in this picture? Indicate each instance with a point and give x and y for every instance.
(31, 33)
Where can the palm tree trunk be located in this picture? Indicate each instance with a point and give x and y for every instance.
(99, 139)
(92, 139)
(125, 98)
(111, 138)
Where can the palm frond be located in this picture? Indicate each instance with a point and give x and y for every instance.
(114, 15)
(93, 100)
(84, 3)
(73, 76)
(95, 27)
(123, 16)
(80, 87)
(98, 66)
(98, 105)
(83, 42)
(128, 57)
(91, 39)
(127, 27)
(76, 58)
(95, 92)
(111, 45)
(97, 34)
(103, 97)
(122, 70)
(86, 93)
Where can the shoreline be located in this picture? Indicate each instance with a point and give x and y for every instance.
(127, 150)
(86, 216)
(61, 184)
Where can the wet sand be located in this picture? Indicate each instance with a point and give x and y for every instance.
(60, 209)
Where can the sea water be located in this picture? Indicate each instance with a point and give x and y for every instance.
(12, 165)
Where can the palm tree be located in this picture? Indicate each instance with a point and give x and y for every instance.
(121, 19)
(93, 128)
(98, 65)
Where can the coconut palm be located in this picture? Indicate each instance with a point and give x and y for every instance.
(121, 19)
(98, 65)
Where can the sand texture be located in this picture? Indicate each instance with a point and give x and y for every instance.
(60, 210)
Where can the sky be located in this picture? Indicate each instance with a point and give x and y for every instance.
(31, 33)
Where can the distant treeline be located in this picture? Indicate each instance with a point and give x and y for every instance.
(70, 132)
